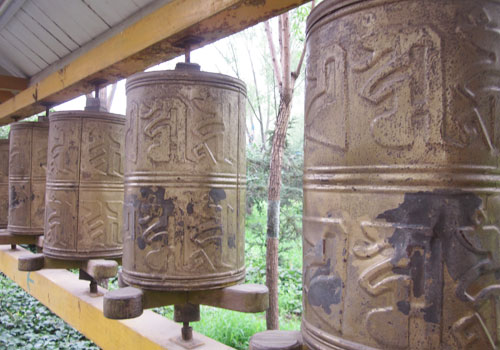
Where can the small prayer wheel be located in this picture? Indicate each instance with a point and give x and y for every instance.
(84, 202)
(401, 175)
(184, 180)
(27, 165)
(4, 183)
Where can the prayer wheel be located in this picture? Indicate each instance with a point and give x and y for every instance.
(27, 165)
(401, 182)
(4, 183)
(184, 180)
(84, 202)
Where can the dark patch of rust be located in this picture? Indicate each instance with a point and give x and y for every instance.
(231, 241)
(404, 307)
(154, 211)
(325, 291)
(14, 199)
(190, 208)
(217, 195)
(428, 233)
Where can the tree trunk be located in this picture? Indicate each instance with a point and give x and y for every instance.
(273, 210)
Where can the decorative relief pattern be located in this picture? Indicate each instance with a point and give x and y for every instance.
(105, 155)
(327, 97)
(473, 115)
(179, 234)
(87, 209)
(62, 157)
(59, 228)
(324, 276)
(410, 253)
(165, 125)
(404, 86)
(100, 225)
(182, 205)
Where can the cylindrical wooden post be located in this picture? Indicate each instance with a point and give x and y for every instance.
(84, 203)
(184, 180)
(401, 183)
(27, 165)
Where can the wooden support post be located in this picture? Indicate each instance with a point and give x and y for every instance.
(69, 298)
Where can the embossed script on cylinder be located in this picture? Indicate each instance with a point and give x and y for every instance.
(27, 165)
(184, 181)
(401, 199)
(84, 204)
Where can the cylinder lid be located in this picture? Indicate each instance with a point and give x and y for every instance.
(104, 116)
(29, 125)
(326, 8)
(187, 73)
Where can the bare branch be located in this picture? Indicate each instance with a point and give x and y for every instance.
(296, 73)
(285, 52)
(277, 73)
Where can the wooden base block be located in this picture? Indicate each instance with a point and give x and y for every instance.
(98, 269)
(244, 298)
(8, 238)
(276, 340)
(123, 303)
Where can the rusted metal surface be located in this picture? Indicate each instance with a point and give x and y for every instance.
(184, 180)
(402, 206)
(27, 165)
(4, 183)
(84, 203)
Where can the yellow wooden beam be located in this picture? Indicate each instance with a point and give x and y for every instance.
(69, 298)
(147, 42)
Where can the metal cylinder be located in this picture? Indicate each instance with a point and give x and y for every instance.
(4, 183)
(27, 165)
(84, 201)
(184, 180)
(401, 183)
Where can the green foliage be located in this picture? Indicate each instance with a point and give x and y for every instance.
(27, 324)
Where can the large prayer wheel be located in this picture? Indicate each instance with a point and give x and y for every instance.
(4, 183)
(184, 180)
(402, 178)
(27, 165)
(84, 202)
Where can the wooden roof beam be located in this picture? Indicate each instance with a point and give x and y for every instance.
(147, 42)
(5, 95)
(13, 83)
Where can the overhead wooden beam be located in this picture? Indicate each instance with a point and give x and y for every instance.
(69, 298)
(147, 42)
(5, 95)
(13, 83)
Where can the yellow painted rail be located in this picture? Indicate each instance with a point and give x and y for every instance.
(69, 298)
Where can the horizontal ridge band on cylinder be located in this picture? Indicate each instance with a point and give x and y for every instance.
(27, 172)
(402, 180)
(184, 180)
(84, 201)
